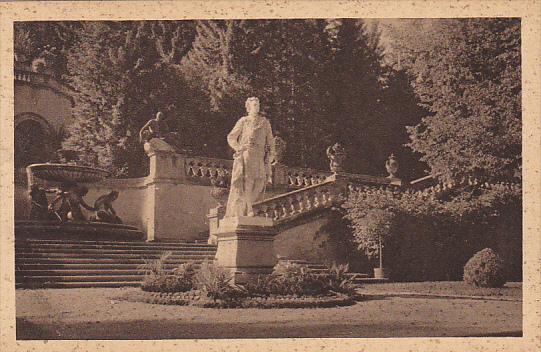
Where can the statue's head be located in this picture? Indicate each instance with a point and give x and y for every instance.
(252, 105)
(159, 115)
(113, 195)
(82, 190)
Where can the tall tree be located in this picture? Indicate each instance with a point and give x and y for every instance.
(123, 72)
(279, 61)
(356, 85)
(468, 77)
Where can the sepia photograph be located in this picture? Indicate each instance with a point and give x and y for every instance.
(302, 177)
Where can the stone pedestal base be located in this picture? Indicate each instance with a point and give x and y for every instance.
(246, 247)
(214, 216)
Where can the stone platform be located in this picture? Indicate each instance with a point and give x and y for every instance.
(28, 229)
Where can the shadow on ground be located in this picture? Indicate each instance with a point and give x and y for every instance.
(169, 329)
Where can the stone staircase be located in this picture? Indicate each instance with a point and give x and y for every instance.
(72, 263)
(49, 263)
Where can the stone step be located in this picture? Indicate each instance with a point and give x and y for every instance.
(83, 278)
(94, 266)
(138, 246)
(111, 251)
(92, 260)
(84, 272)
(131, 243)
(177, 255)
(86, 284)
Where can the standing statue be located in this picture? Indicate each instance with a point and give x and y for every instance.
(253, 143)
(38, 203)
(104, 208)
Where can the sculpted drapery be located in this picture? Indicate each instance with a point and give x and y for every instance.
(252, 140)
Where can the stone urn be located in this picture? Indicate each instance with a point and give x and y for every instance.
(391, 165)
(219, 190)
(336, 155)
(279, 150)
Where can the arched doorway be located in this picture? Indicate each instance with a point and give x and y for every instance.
(32, 144)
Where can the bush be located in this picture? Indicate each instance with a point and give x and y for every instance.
(216, 283)
(339, 279)
(485, 269)
(298, 280)
(181, 279)
(429, 235)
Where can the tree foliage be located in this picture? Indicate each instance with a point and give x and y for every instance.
(468, 77)
(123, 72)
(430, 236)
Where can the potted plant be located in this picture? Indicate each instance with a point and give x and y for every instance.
(379, 273)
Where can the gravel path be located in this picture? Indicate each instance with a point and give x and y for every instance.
(93, 314)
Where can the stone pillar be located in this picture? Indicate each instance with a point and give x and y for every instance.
(214, 216)
(166, 170)
(246, 247)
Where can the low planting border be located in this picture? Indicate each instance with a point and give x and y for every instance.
(199, 299)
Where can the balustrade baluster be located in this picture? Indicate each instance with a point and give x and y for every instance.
(276, 212)
(307, 201)
(316, 201)
(300, 199)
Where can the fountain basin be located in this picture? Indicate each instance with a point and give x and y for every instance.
(67, 173)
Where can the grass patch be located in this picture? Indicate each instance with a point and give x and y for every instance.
(511, 290)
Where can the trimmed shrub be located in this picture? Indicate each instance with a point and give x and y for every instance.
(485, 269)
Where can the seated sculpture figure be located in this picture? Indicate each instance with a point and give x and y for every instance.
(104, 208)
(60, 213)
(38, 203)
(154, 128)
(158, 128)
(71, 198)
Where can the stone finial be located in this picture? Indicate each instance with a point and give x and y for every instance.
(336, 155)
(392, 166)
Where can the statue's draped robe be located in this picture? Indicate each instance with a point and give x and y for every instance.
(252, 140)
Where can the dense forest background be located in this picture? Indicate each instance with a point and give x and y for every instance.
(443, 95)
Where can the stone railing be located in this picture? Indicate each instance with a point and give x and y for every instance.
(41, 79)
(291, 205)
(23, 76)
(297, 177)
(202, 169)
(207, 168)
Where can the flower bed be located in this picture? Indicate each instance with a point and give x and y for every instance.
(199, 299)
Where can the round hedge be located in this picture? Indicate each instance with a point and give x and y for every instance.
(199, 299)
(485, 269)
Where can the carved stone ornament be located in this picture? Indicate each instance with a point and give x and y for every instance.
(336, 155)
(279, 149)
(392, 166)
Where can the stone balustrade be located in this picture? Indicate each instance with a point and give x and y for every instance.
(207, 168)
(299, 202)
(23, 76)
(297, 177)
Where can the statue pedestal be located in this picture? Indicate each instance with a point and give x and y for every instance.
(246, 247)
(214, 216)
